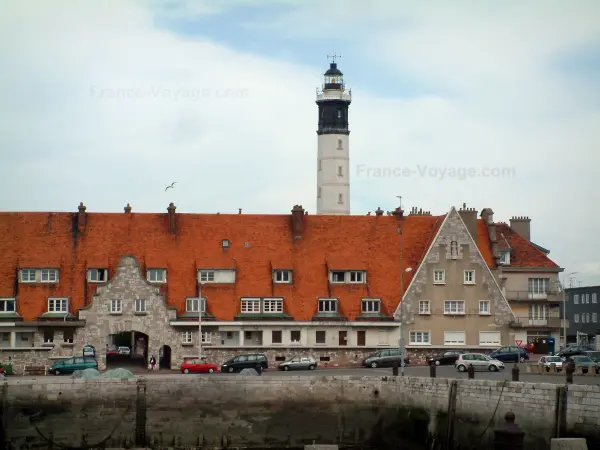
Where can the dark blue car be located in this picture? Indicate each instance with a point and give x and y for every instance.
(510, 354)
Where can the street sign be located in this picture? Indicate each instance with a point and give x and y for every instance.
(518, 342)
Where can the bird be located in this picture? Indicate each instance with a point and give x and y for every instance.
(172, 185)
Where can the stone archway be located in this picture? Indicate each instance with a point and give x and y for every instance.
(164, 357)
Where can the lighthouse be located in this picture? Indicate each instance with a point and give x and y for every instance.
(333, 152)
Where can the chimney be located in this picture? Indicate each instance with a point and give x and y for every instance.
(522, 226)
(488, 217)
(298, 221)
(414, 211)
(469, 217)
(398, 212)
(128, 209)
(171, 211)
(379, 211)
(81, 218)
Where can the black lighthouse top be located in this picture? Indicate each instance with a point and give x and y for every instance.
(333, 102)
(333, 78)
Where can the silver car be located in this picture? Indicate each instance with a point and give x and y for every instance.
(548, 361)
(299, 363)
(479, 362)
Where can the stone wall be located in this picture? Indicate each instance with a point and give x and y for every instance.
(383, 412)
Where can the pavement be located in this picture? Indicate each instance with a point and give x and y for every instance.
(410, 371)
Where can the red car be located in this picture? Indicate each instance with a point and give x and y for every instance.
(198, 366)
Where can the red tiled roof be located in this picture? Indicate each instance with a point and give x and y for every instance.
(258, 243)
(483, 242)
(523, 253)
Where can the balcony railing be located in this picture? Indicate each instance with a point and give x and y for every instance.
(526, 296)
(549, 322)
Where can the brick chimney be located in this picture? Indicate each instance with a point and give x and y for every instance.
(128, 209)
(81, 217)
(298, 221)
(414, 211)
(469, 217)
(488, 217)
(398, 212)
(171, 211)
(522, 226)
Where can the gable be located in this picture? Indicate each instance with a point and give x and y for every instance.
(453, 247)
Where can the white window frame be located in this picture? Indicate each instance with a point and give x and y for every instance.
(141, 305)
(321, 302)
(538, 287)
(594, 297)
(413, 336)
(371, 306)
(576, 299)
(187, 337)
(49, 276)
(425, 307)
(504, 258)
(357, 277)
(272, 305)
(441, 279)
(469, 276)
(486, 342)
(594, 317)
(453, 342)
(116, 306)
(28, 278)
(485, 311)
(206, 276)
(250, 306)
(206, 337)
(331, 276)
(156, 279)
(5, 301)
(282, 276)
(94, 279)
(192, 304)
(58, 305)
(458, 311)
(576, 318)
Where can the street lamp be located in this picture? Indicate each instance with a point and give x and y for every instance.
(401, 339)
(200, 319)
(565, 278)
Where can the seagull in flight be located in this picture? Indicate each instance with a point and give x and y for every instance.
(171, 186)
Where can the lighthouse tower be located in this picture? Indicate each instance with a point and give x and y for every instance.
(333, 154)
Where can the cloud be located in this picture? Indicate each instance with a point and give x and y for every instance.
(101, 105)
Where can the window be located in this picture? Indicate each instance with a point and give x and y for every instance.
(340, 199)
(97, 275)
(357, 277)
(338, 277)
(576, 318)
(58, 305)
(225, 243)
(273, 305)
(8, 305)
(439, 276)
(276, 337)
(538, 286)
(371, 306)
(424, 307)
(28, 276)
(140, 305)
(484, 307)
(576, 299)
(454, 307)
(186, 337)
(207, 276)
(587, 298)
(318, 192)
(505, 258)
(320, 337)
(157, 275)
(115, 306)
(469, 276)
(68, 335)
(340, 171)
(206, 338)
(49, 276)
(320, 165)
(48, 336)
(193, 304)
(491, 338)
(251, 305)
(594, 317)
(454, 338)
(282, 276)
(327, 305)
(538, 312)
(339, 113)
(383, 338)
(594, 298)
(295, 336)
(340, 145)
(419, 338)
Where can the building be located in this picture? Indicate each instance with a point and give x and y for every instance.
(333, 155)
(530, 282)
(582, 314)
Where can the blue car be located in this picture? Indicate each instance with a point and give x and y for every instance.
(510, 354)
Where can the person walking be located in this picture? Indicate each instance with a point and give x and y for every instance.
(152, 362)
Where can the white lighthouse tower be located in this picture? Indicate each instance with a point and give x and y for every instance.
(333, 155)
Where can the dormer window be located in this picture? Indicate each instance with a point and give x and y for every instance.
(97, 275)
(194, 304)
(282, 276)
(225, 243)
(58, 305)
(38, 275)
(157, 275)
(504, 258)
(348, 277)
(371, 305)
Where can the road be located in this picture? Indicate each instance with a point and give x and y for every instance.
(411, 371)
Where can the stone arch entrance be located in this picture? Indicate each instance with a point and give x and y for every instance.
(164, 357)
(127, 350)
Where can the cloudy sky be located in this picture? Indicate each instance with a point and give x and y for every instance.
(108, 102)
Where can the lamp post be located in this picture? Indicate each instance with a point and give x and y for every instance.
(564, 296)
(401, 339)
(200, 319)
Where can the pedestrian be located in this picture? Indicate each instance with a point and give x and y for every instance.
(152, 362)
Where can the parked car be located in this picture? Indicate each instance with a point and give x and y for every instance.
(586, 363)
(112, 350)
(124, 350)
(70, 365)
(448, 357)
(548, 361)
(479, 362)
(574, 350)
(198, 366)
(299, 363)
(509, 354)
(385, 358)
(251, 361)
(595, 355)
